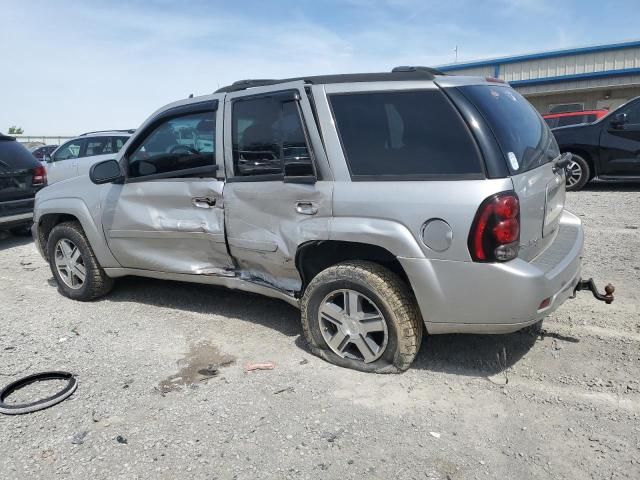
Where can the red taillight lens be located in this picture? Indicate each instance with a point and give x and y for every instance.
(39, 176)
(507, 231)
(495, 231)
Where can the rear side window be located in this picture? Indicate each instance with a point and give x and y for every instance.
(404, 135)
(98, 146)
(14, 155)
(269, 138)
(118, 143)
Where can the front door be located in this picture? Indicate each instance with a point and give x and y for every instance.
(276, 197)
(168, 215)
(64, 161)
(620, 143)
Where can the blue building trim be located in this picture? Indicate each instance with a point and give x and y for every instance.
(536, 56)
(576, 76)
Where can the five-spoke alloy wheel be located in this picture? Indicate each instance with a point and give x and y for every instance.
(353, 326)
(70, 264)
(74, 265)
(361, 315)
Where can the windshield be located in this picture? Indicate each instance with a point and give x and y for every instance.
(524, 137)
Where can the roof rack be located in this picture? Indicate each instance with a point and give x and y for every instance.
(130, 130)
(397, 74)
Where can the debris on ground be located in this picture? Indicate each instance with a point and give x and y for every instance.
(250, 367)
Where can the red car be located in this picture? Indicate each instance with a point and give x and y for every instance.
(573, 118)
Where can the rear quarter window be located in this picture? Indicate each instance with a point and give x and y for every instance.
(404, 135)
(523, 136)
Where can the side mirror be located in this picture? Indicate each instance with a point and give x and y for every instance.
(47, 158)
(107, 171)
(619, 119)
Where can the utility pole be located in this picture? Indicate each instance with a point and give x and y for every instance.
(456, 52)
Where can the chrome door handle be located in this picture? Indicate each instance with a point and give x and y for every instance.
(203, 202)
(306, 208)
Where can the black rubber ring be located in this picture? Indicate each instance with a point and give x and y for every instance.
(21, 408)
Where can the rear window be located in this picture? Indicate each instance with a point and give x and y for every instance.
(404, 135)
(14, 155)
(524, 137)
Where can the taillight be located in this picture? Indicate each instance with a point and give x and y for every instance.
(39, 176)
(495, 232)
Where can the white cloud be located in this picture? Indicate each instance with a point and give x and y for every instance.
(76, 66)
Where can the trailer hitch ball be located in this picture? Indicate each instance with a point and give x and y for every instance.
(591, 286)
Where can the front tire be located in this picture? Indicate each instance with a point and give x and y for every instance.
(578, 173)
(360, 315)
(74, 265)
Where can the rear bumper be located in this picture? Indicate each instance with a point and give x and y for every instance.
(467, 297)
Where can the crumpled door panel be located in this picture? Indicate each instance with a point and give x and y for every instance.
(155, 226)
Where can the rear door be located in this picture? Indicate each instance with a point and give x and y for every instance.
(16, 178)
(272, 150)
(620, 143)
(64, 161)
(529, 149)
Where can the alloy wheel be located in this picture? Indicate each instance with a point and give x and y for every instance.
(353, 326)
(574, 173)
(70, 264)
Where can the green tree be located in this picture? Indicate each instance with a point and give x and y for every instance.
(15, 130)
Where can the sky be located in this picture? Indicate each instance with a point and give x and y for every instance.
(67, 67)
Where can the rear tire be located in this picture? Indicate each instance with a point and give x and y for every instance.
(383, 321)
(578, 173)
(74, 265)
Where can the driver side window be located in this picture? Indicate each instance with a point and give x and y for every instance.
(176, 145)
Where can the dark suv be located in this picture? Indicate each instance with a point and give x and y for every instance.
(607, 149)
(21, 176)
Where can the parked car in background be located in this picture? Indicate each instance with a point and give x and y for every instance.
(76, 156)
(40, 152)
(564, 119)
(608, 149)
(380, 204)
(21, 176)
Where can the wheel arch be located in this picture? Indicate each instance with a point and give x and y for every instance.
(54, 212)
(314, 256)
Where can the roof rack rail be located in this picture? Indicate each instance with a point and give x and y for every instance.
(397, 74)
(128, 130)
(249, 83)
(414, 68)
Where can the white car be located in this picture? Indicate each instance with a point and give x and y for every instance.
(76, 157)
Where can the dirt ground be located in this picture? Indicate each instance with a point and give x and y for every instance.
(162, 392)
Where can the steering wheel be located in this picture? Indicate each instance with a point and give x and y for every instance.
(183, 149)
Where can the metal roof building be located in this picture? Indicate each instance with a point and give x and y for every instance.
(602, 76)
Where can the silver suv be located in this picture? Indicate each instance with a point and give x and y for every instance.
(382, 205)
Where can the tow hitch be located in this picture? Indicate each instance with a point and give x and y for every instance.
(590, 285)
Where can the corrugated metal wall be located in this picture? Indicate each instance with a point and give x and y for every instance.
(571, 65)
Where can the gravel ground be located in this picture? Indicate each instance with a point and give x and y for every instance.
(162, 392)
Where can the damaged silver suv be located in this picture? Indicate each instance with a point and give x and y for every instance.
(382, 205)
